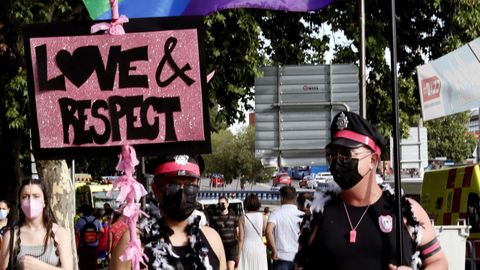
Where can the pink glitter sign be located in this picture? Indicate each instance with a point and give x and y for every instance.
(144, 88)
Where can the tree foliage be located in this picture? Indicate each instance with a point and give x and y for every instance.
(14, 119)
(449, 137)
(232, 52)
(426, 30)
(234, 156)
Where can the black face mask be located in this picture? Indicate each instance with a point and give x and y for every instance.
(345, 173)
(179, 203)
(222, 207)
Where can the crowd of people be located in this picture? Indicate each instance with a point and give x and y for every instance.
(343, 225)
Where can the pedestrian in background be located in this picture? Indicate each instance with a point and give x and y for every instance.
(88, 228)
(5, 222)
(226, 224)
(38, 242)
(304, 200)
(354, 225)
(104, 216)
(266, 214)
(117, 229)
(252, 251)
(283, 230)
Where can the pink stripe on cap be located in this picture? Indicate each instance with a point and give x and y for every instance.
(354, 136)
(173, 166)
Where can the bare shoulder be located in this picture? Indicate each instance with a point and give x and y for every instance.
(211, 234)
(59, 229)
(215, 242)
(61, 234)
(213, 239)
(419, 212)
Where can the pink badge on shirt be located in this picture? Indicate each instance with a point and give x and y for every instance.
(385, 223)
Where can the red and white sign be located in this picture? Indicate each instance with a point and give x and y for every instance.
(431, 88)
(450, 83)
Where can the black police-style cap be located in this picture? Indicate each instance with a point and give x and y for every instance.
(350, 130)
(178, 165)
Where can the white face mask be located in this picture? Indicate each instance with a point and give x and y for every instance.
(3, 214)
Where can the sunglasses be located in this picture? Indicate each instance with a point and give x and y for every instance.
(343, 154)
(173, 188)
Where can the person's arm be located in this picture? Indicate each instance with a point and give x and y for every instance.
(241, 234)
(64, 248)
(271, 240)
(110, 242)
(216, 243)
(433, 258)
(99, 226)
(115, 262)
(264, 225)
(432, 255)
(4, 250)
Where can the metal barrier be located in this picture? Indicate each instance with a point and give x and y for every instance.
(268, 198)
(473, 250)
(263, 195)
(471, 257)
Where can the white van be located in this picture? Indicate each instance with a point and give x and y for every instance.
(210, 206)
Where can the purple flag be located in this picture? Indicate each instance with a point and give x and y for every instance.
(100, 9)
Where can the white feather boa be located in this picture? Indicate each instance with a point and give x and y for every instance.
(159, 249)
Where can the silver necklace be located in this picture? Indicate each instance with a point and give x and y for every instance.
(353, 230)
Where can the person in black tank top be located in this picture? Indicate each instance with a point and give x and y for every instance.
(353, 220)
(170, 241)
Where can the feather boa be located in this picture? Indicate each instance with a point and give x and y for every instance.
(159, 250)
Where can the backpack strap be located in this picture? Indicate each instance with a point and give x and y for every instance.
(89, 222)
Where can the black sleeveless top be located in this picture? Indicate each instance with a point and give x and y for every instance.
(187, 262)
(375, 246)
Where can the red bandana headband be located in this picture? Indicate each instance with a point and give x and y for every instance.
(354, 136)
(173, 166)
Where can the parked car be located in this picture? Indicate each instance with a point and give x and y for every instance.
(282, 178)
(320, 178)
(210, 206)
(217, 180)
(324, 177)
(277, 187)
(303, 183)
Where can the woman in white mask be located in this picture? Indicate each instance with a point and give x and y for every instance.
(4, 211)
(39, 243)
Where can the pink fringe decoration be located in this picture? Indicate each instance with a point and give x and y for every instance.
(130, 194)
(134, 253)
(115, 27)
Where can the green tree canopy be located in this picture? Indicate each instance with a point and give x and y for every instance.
(234, 156)
(449, 137)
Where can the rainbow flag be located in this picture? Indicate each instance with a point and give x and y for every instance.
(100, 9)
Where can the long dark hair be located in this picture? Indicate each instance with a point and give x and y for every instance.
(48, 217)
